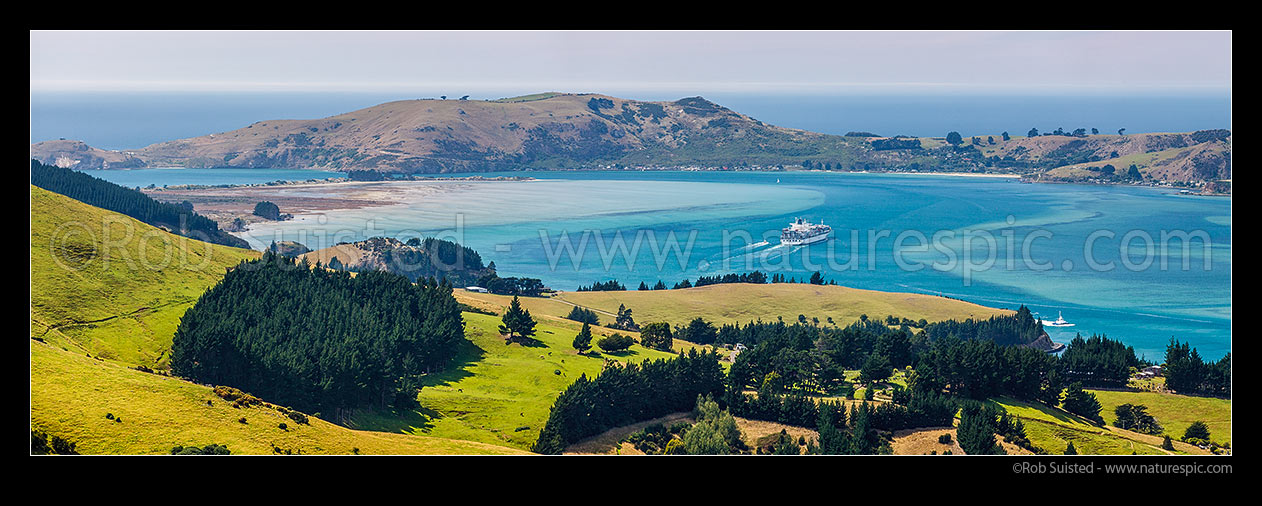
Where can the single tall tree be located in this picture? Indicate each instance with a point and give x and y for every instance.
(976, 432)
(517, 322)
(623, 319)
(1083, 403)
(583, 341)
(1198, 430)
(657, 336)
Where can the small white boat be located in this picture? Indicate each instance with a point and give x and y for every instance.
(1059, 322)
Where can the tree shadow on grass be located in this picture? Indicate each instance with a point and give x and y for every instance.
(396, 421)
(466, 356)
(421, 418)
(1065, 417)
(526, 342)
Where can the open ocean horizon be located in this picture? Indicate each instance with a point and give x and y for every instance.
(130, 120)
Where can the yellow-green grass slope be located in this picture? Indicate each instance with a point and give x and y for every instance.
(501, 393)
(82, 371)
(106, 285)
(1174, 412)
(1052, 429)
(744, 302)
(71, 395)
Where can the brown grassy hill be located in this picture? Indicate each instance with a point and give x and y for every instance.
(546, 130)
(568, 131)
(78, 155)
(1196, 156)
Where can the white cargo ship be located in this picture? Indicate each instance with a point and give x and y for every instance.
(801, 232)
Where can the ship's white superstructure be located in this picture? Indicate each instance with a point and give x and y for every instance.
(1059, 322)
(801, 232)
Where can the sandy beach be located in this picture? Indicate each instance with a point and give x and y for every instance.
(224, 204)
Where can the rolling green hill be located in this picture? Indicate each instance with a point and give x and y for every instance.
(98, 312)
(1052, 429)
(502, 394)
(106, 295)
(109, 286)
(1173, 411)
(71, 394)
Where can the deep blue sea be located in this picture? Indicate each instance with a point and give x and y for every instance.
(135, 120)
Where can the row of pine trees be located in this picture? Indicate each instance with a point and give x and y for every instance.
(97, 192)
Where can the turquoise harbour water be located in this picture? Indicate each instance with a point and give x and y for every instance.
(1144, 305)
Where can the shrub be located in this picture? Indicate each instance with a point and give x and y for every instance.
(1198, 430)
(210, 449)
(1196, 441)
(945, 439)
(267, 210)
(297, 417)
(43, 444)
(236, 397)
(616, 342)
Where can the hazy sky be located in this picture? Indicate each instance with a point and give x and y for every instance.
(673, 63)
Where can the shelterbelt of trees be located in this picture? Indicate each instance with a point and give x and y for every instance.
(317, 339)
(97, 192)
(950, 365)
(756, 277)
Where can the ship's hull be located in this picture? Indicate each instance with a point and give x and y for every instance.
(1054, 324)
(804, 241)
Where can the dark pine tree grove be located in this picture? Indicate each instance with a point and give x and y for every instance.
(317, 339)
